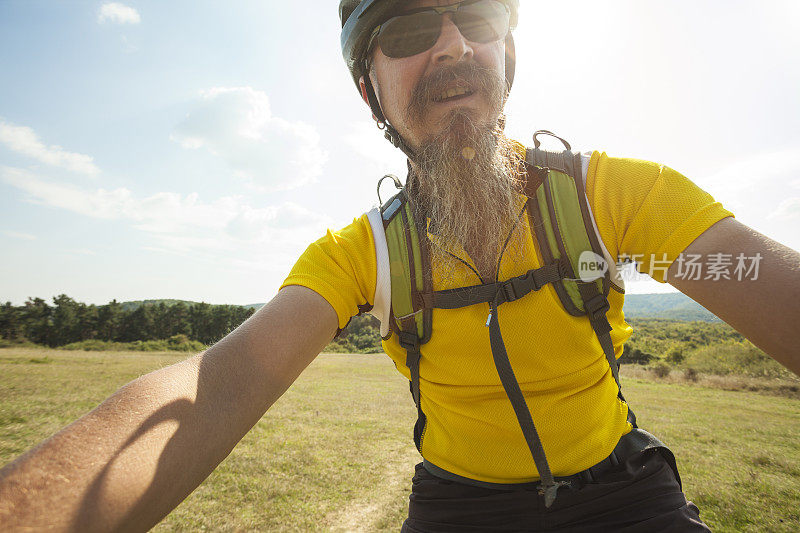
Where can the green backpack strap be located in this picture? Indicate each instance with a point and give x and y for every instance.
(562, 220)
(413, 301)
(409, 267)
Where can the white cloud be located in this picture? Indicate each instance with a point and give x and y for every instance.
(752, 187)
(237, 124)
(762, 192)
(755, 171)
(368, 141)
(117, 13)
(788, 209)
(24, 140)
(101, 204)
(18, 235)
(228, 229)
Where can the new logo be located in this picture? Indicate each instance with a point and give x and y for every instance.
(591, 266)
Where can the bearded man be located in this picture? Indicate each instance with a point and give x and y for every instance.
(436, 75)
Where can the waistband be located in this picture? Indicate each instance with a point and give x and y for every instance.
(630, 444)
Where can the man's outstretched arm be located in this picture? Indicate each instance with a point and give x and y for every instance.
(766, 310)
(129, 462)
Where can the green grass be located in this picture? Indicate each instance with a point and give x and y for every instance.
(335, 453)
(738, 452)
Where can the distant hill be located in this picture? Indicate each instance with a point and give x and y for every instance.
(133, 305)
(670, 306)
(667, 306)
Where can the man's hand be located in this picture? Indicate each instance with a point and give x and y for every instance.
(128, 463)
(766, 310)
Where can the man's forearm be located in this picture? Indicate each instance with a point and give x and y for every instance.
(69, 480)
(765, 309)
(130, 461)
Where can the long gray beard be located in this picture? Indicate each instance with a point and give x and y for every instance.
(468, 185)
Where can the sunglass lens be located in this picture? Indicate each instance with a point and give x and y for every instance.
(409, 35)
(483, 22)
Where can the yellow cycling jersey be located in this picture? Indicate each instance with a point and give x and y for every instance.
(642, 210)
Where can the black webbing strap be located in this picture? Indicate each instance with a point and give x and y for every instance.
(549, 486)
(410, 341)
(496, 294)
(499, 292)
(596, 305)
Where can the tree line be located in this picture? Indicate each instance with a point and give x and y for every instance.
(361, 335)
(67, 321)
(708, 347)
(672, 340)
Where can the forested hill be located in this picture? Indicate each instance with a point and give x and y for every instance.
(68, 321)
(671, 306)
(135, 304)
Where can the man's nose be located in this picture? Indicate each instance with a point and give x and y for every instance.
(451, 46)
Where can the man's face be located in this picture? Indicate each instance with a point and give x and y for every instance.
(396, 80)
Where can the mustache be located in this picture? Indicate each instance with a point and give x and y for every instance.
(475, 78)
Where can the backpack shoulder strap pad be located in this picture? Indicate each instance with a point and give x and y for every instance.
(410, 276)
(562, 220)
(564, 226)
(409, 269)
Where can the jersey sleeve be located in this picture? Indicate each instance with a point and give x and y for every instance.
(647, 212)
(341, 267)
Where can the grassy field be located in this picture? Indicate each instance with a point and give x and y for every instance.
(335, 453)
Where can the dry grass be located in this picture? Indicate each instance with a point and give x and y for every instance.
(335, 453)
(787, 388)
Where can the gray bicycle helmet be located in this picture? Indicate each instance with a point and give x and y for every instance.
(359, 18)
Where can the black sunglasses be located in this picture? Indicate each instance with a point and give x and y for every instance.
(480, 21)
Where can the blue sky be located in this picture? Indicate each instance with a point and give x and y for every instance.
(193, 149)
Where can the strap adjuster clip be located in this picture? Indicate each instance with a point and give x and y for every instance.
(409, 340)
(597, 306)
(516, 288)
(509, 291)
(530, 277)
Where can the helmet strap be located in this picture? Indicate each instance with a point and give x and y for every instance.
(389, 132)
(393, 137)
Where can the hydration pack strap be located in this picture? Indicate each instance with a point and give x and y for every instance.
(499, 292)
(496, 294)
(549, 486)
(555, 190)
(596, 305)
(410, 342)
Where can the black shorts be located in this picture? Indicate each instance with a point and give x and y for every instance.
(640, 495)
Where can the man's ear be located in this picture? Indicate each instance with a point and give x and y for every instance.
(363, 87)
